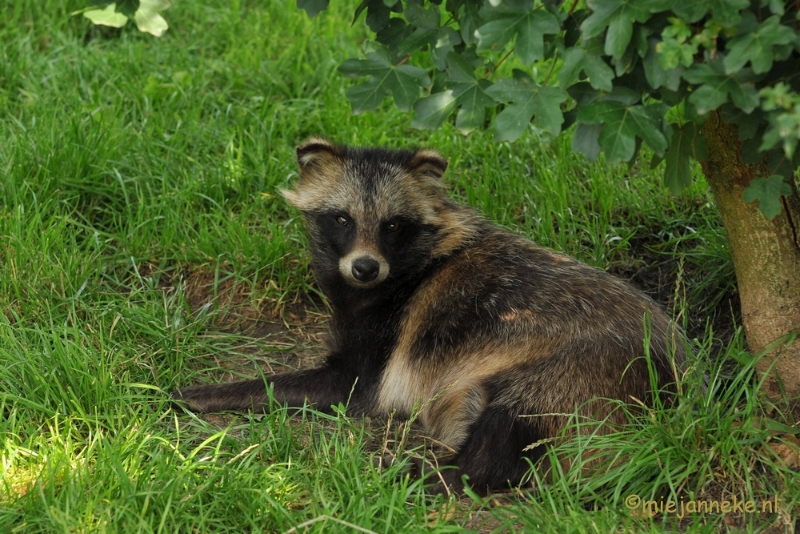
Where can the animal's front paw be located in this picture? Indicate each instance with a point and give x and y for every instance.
(209, 398)
(194, 398)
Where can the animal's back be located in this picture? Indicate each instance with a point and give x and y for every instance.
(504, 328)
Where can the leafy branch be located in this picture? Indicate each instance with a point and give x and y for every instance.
(629, 73)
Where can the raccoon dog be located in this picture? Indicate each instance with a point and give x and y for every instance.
(435, 307)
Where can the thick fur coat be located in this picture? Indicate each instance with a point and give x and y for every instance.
(438, 310)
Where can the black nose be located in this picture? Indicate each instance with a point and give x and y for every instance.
(365, 269)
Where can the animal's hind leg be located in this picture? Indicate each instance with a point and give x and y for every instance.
(492, 455)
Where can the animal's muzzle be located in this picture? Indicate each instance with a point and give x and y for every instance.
(365, 269)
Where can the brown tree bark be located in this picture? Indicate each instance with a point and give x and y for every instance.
(766, 257)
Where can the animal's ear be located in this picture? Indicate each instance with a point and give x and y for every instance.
(314, 157)
(428, 163)
(314, 152)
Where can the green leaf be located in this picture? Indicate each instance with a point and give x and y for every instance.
(377, 14)
(148, 17)
(676, 48)
(424, 24)
(393, 33)
(756, 47)
(107, 17)
(655, 161)
(785, 128)
(647, 124)
(780, 164)
(420, 17)
(360, 9)
(313, 7)
(620, 31)
(583, 94)
(768, 192)
(517, 19)
(716, 86)
(419, 38)
(690, 10)
(146, 14)
(446, 39)
(127, 7)
(430, 112)
(748, 123)
(403, 82)
(656, 75)
(617, 142)
(470, 20)
(573, 65)
(623, 95)
(528, 99)
(751, 153)
(470, 93)
(460, 71)
(687, 143)
(709, 97)
(725, 12)
(529, 46)
(473, 108)
(584, 140)
(622, 123)
(376, 63)
(577, 60)
(776, 6)
(618, 16)
(641, 42)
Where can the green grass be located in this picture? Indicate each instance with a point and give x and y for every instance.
(129, 164)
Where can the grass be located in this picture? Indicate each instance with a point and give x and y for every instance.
(133, 169)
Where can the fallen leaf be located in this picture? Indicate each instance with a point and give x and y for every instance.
(788, 450)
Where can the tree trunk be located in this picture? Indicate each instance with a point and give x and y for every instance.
(766, 257)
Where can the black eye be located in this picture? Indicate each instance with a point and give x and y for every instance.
(392, 227)
(341, 219)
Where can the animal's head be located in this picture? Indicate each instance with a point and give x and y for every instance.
(373, 213)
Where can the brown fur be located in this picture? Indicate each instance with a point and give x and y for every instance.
(436, 308)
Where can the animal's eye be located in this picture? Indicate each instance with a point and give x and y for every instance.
(392, 227)
(341, 219)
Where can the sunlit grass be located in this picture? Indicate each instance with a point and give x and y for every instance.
(129, 164)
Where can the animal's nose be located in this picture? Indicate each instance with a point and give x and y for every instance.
(365, 269)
